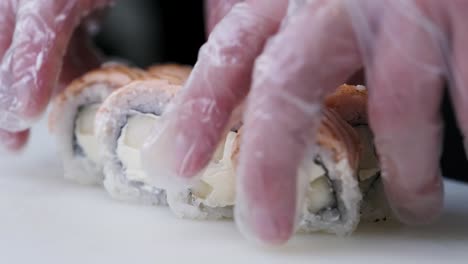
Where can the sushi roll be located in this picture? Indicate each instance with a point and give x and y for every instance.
(341, 180)
(350, 102)
(343, 186)
(332, 195)
(123, 122)
(71, 120)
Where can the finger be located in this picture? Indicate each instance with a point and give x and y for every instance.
(32, 63)
(405, 83)
(219, 82)
(80, 58)
(305, 61)
(459, 89)
(13, 142)
(215, 10)
(7, 24)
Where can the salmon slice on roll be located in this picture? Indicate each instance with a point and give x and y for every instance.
(71, 120)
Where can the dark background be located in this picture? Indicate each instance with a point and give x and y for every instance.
(145, 32)
(149, 31)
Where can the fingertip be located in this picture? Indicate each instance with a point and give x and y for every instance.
(418, 209)
(198, 126)
(168, 156)
(414, 202)
(267, 191)
(14, 142)
(158, 156)
(260, 226)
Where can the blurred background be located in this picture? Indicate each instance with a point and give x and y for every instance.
(148, 31)
(144, 32)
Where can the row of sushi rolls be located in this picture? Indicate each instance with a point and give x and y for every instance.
(101, 121)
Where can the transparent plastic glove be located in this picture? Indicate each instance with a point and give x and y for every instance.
(13, 142)
(215, 10)
(34, 37)
(407, 48)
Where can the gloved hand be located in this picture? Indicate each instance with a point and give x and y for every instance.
(39, 45)
(215, 10)
(284, 63)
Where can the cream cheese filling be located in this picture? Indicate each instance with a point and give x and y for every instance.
(216, 187)
(130, 142)
(319, 194)
(84, 132)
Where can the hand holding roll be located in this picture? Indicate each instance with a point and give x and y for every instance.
(408, 49)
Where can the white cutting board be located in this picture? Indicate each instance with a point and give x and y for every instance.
(45, 219)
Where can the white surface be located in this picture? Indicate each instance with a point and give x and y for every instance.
(45, 219)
